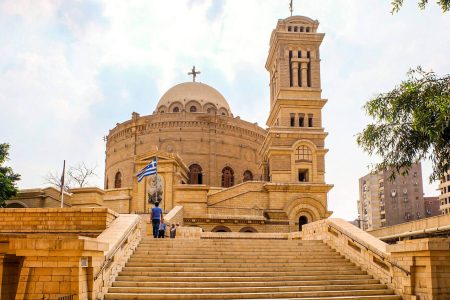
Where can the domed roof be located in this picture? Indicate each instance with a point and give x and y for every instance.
(186, 92)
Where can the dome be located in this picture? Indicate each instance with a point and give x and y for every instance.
(188, 95)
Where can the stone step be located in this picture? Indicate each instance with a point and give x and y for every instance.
(227, 265)
(249, 278)
(169, 243)
(243, 269)
(235, 259)
(150, 239)
(206, 284)
(219, 254)
(136, 271)
(244, 289)
(257, 295)
(278, 252)
(252, 268)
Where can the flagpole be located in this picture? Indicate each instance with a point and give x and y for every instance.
(62, 184)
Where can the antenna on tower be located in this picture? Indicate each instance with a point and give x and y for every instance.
(291, 7)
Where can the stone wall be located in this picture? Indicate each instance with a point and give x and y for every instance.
(55, 220)
(59, 262)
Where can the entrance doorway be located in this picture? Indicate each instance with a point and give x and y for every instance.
(302, 221)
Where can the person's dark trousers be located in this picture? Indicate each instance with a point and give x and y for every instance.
(161, 234)
(155, 223)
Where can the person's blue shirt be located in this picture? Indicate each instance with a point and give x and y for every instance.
(156, 213)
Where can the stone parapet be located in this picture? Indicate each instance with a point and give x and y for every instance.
(175, 216)
(428, 260)
(55, 220)
(433, 225)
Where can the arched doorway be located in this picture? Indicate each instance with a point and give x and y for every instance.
(227, 177)
(195, 174)
(248, 176)
(303, 220)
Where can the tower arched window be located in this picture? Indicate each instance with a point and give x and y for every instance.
(118, 180)
(193, 109)
(303, 154)
(195, 174)
(248, 176)
(176, 109)
(227, 177)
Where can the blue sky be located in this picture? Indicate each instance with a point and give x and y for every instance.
(70, 70)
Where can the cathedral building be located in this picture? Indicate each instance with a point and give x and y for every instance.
(228, 174)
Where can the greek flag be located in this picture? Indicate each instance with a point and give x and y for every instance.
(148, 170)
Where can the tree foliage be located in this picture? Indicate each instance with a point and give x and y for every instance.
(76, 176)
(8, 178)
(412, 122)
(444, 4)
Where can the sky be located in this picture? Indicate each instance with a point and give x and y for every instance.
(70, 70)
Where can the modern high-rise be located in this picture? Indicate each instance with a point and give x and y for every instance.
(384, 202)
(444, 197)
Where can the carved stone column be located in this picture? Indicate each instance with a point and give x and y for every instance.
(304, 74)
(294, 74)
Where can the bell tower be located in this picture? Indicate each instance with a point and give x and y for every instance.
(294, 149)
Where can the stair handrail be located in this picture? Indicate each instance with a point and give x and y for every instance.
(111, 254)
(384, 257)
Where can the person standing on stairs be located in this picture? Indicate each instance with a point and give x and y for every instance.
(162, 230)
(156, 216)
(173, 231)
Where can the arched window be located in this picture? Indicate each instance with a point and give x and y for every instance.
(176, 109)
(193, 109)
(118, 180)
(221, 229)
(227, 177)
(195, 174)
(248, 229)
(302, 221)
(303, 153)
(248, 176)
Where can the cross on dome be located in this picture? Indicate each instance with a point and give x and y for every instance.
(193, 73)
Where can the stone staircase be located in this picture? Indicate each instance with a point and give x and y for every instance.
(243, 269)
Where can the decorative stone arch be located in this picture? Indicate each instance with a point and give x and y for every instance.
(309, 206)
(221, 228)
(16, 204)
(210, 108)
(248, 229)
(223, 112)
(302, 162)
(162, 109)
(193, 106)
(176, 106)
